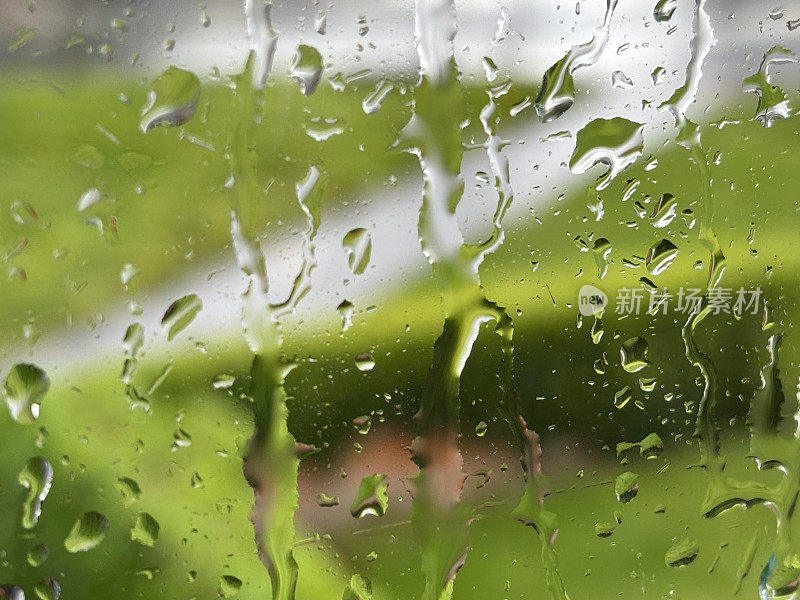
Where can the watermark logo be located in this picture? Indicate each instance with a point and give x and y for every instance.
(592, 301)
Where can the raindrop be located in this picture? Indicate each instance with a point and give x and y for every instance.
(172, 99)
(374, 100)
(24, 390)
(660, 257)
(47, 589)
(664, 211)
(481, 428)
(129, 489)
(622, 397)
(357, 245)
(778, 580)
(602, 249)
(36, 477)
(87, 533)
(621, 81)
(38, 555)
(682, 553)
(371, 497)
(633, 354)
(358, 588)
(365, 362)
(306, 68)
(11, 592)
(626, 486)
(229, 586)
(664, 10)
(180, 314)
(145, 529)
(346, 310)
(362, 424)
(616, 143)
(223, 381)
(326, 501)
(603, 529)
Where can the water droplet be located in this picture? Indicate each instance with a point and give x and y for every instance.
(664, 211)
(172, 99)
(24, 390)
(346, 310)
(223, 381)
(47, 589)
(603, 529)
(623, 396)
(371, 497)
(37, 477)
(134, 339)
(481, 428)
(660, 257)
(11, 592)
(88, 156)
(557, 92)
(365, 362)
(129, 489)
(229, 586)
(181, 438)
(306, 68)
(778, 580)
(327, 501)
(616, 143)
(358, 588)
(145, 529)
(87, 533)
(772, 100)
(374, 100)
(682, 553)
(357, 244)
(626, 486)
(180, 314)
(664, 10)
(633, 354)
(621, 81)
(362, 424)
(196, 481)
(602, 249)
(658, 75)
(38, 555)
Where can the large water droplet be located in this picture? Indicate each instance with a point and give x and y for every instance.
(664, 10)
(24, 389)
(47, 589)
(660, 257)
(11, 592)
(778, 580)
(357, 244)
(306, 68)
(682, 553)
(633, 354)
(145, 529)
(616, 143)
(171, 100)
(358, 588)
(87, 532)
(38, 555)
(37, 477)
(626, 486)
(180, 314)
(371, 497)
(229, 586)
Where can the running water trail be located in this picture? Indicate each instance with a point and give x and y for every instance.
(440, 520)
(272, 458)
